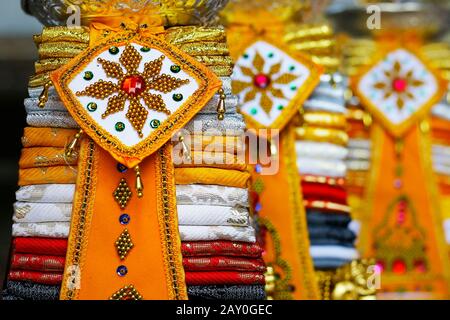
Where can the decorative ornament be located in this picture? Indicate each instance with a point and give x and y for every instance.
(272, 84)
(133, 77)
(398, 89)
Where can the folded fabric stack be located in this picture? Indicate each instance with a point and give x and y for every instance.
(321, 149)
(220, 254)
(358, 160)
(440, 126)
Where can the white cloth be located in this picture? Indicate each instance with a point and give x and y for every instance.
(441, 110)
(441, 150)
(323, 150)
(46, 193)
(447, 230)
(43, 229)
(42, 212)
(357, 165)
(441, 169)
(320, 167)
(360, 144)
(314, 104)
(442, 160)
(337, 252)
(355, 226)
(186, 194)
(201, 215)
(359, 154)
(209, 233)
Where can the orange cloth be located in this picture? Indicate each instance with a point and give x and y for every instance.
(222, 177)
(154, 263)
(45, 157)
(47, 137)
(44, 175)
(419, 235)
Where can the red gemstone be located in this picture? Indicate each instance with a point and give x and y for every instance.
(420, 266)
(399, 266)
(133, 85)
(399, 84)
(261, 81)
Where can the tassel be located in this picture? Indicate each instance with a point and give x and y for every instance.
(70, 149)
(43, 98)
(139, 183)
(186, 150)
(221, 106)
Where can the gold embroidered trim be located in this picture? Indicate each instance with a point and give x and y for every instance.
(310, 288)
(168, 222)
(86, 182)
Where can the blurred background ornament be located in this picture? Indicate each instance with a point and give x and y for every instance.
(431, 16)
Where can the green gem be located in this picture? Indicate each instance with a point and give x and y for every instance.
(291, 68)
(293, 88)
(254, 111)
(270, 55)
(280, 107)
(155, 123)
(120, 126)
(245, 56)
(175, 68)
(177, 97)
(114, 50)
(88, 75)
(92, 106)
(145, 49)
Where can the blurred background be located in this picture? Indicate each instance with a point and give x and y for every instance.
(17, 55)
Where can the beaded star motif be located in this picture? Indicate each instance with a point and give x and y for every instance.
(401, 83)
(133, 86)
(398, 88)
(271, 83)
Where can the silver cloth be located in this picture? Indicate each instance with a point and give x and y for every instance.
(53, 119)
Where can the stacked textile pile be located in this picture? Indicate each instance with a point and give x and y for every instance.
(220, 254)
(321, 149)
(358, 160)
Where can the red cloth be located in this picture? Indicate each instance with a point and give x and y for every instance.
(40, 246)
(220, 248)
(324, 180)
(35, 276)
(34, 262)
(324, 192)
(223, 263)
(224, 277)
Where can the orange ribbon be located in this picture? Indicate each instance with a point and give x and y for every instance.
(104, 26)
